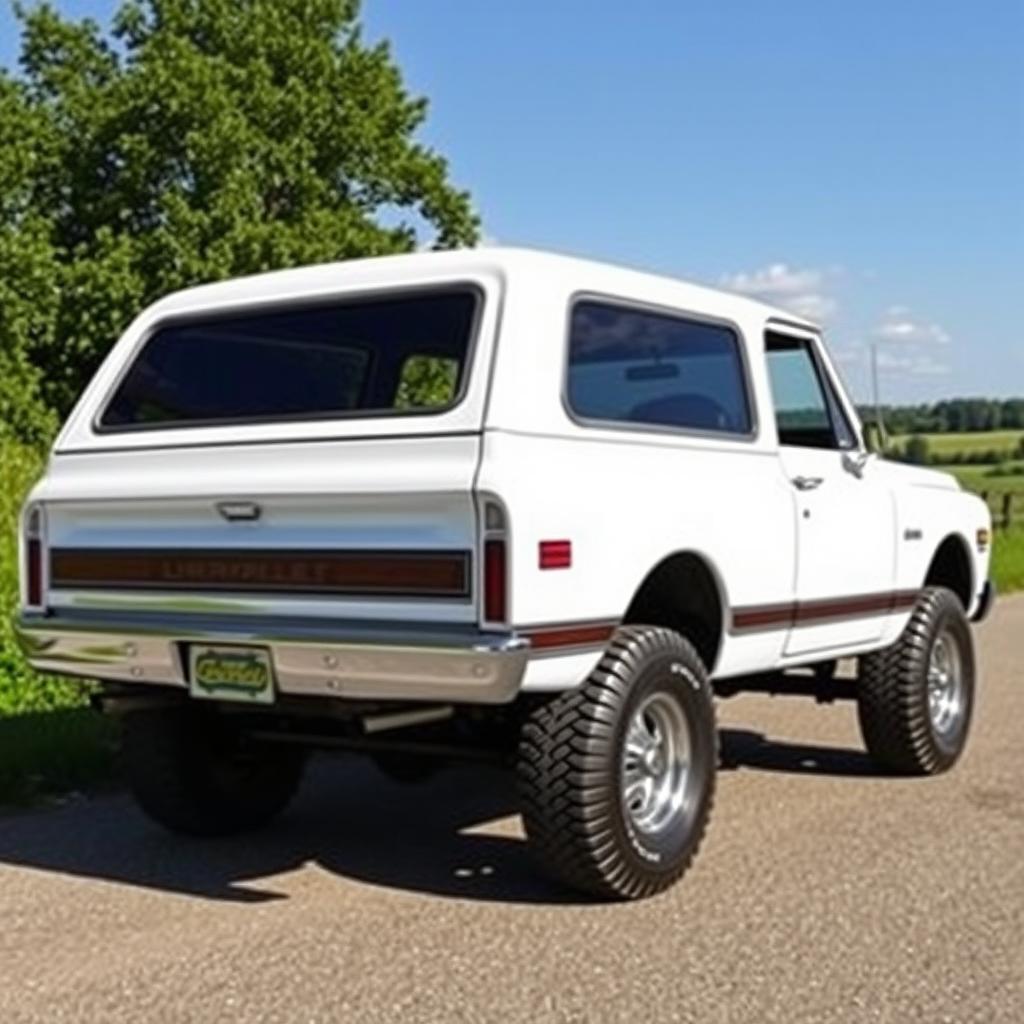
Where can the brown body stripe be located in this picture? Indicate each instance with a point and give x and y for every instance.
(582, 635)
(802, 613)
(760, 617)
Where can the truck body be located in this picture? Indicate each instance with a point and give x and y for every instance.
(451, 478)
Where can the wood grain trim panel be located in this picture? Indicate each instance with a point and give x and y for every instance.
(382, 573)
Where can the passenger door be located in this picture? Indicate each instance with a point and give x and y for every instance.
(845, 514)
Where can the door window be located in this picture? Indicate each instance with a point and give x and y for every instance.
(808, 413)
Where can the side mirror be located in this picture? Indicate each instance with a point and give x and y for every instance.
(873, 440)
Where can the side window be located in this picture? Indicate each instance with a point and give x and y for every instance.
(633, 366)
(808, 413)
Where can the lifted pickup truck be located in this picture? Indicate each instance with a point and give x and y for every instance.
(490, 501)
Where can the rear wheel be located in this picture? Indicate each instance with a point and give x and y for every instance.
(916, 698)
(408, 769)
(194, 773)
(617, 776)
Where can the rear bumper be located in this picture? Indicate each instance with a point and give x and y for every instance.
(310, 658)
(985, 602)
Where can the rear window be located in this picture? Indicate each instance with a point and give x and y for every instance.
(398, 355)
(634, 366)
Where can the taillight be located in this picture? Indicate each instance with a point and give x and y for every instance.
(495, 580)
(495, 563)
(34, 557)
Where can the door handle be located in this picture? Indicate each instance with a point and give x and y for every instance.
(807, 483)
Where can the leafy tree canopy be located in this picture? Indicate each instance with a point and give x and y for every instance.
(197, 140)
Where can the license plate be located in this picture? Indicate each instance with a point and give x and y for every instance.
(231, 673)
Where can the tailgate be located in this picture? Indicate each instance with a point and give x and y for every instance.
(374, 529)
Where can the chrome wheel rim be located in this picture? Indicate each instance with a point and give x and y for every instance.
(656, 764)
(945, 686)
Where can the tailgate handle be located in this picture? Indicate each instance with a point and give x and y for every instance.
(239, 511)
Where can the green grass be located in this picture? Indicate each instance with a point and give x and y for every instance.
(1008, 559)
(49, 741)
(945, 445)
(981, 478)
(21, 689)
(44, 754)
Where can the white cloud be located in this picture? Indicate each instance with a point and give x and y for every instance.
(801, 291)
(913, 364)
(899, 325)
(907, 344)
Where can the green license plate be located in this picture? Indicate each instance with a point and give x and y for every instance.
(231, 673)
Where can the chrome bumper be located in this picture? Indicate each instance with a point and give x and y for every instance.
(322, 659)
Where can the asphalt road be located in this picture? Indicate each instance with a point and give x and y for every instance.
(823, 893)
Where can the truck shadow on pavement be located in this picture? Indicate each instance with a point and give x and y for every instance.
(453, 836)
(744, 749)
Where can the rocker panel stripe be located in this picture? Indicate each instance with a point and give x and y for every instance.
(804, 613)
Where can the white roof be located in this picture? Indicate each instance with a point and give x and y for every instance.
(384, 271)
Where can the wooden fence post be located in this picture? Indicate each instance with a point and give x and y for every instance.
(1007, 510)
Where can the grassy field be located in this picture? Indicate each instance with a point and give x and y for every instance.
(982, 478)
(945, 445)
(1008, 559)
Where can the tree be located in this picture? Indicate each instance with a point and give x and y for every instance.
(28, 266)
(916, 450)
(205, 139)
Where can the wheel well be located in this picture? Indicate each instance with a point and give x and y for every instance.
(951, 568)
(680, 593)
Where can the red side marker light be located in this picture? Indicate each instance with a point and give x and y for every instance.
(555, 554)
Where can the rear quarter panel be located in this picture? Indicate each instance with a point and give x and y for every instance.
(629, 498)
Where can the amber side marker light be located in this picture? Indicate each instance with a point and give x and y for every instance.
(982, 538)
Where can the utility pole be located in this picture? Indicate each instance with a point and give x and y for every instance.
(874, 391)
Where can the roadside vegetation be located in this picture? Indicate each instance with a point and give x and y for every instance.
(50, 741)
(181, 144)
(1008, 559)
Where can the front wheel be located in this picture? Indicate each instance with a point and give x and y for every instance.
(617, 777)
(916, 698)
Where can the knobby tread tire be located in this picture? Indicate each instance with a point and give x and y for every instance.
(568, 770)
(174, 762)
(892, 704)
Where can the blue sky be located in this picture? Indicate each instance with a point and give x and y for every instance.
(860, 162)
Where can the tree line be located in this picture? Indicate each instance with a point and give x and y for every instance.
(952, 415)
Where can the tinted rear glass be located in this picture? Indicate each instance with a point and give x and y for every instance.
(635, 366)
(386, 356)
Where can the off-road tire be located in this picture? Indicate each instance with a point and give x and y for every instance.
(892, 704)
(570, 769)
(193, 773)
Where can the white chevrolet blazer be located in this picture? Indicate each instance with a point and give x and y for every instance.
(491, 502)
